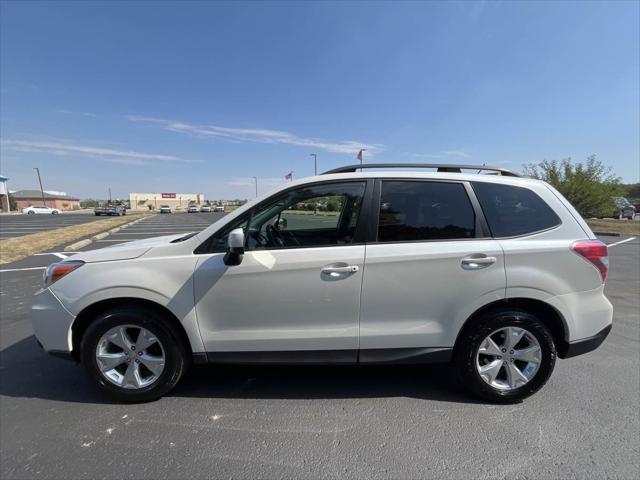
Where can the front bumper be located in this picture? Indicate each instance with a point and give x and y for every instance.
(585, 345)
(51, 322)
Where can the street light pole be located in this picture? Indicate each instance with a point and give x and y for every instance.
(315, 163)
(109, 194)
(256, 180)
(44, 203)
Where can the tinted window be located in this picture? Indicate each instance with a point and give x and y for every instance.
(311, 216)
(424, 211)
(512, 211)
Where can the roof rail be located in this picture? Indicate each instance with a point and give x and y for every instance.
(442, 167)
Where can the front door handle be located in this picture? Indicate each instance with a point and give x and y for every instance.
(335, 270)
(477, 262)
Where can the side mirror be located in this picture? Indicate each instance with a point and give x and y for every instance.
(236, 248)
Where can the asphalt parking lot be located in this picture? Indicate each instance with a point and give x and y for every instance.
(19, 225)
(345, 422)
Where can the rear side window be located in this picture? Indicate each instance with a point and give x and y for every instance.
(411, 211)
(512, 211)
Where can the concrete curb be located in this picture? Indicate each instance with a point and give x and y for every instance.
(607, 234)
(78, 245)
(99, 236)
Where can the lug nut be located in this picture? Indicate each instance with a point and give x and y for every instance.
(137, 361)
(133, 347)
(499, 357)
(504, 350)
(140, 353)
(511, 352)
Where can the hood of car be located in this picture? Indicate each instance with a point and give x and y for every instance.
(125, 251)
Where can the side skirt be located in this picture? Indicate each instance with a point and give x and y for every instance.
(330, 357)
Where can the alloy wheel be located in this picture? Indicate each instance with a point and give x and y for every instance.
(508, 358)
(130, 356)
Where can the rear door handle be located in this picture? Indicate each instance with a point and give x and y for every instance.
(337, 270)
(477, 262)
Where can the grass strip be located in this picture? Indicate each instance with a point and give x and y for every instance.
(622, 227)
(16, 248)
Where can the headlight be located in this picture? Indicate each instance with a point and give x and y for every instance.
(56, 271)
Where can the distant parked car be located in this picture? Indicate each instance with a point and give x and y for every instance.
(192, 209)
(218, 208)
(109, 209)
(165, 209)
(624, 208)
(31, 210)
(205, 208)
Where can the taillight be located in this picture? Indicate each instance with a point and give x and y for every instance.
(56, 271)
(595, 252)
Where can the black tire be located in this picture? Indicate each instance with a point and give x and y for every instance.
(97, 214)
(31, 212)
(176, 358)
(475, 333)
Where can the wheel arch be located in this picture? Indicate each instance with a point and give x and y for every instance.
(89, 314)
(547, 314)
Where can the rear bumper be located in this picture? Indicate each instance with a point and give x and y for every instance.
(585, 345)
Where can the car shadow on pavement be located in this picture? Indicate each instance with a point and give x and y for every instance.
(26, 371)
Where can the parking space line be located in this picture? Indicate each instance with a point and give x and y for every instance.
(21, 269)
(120, 241)
(621, 242)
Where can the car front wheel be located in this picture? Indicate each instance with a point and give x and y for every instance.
(505, 356)
(133, 354)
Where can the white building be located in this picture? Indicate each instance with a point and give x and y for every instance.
(152, 201)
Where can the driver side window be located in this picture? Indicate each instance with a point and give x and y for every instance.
(311, 216)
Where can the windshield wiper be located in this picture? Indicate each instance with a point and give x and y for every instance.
(186, 237)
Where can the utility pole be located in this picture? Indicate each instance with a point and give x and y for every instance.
(315, 163)
(109, 194)
(44, 203)
(256, 180)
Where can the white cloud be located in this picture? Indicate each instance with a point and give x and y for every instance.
(260, 135)
(456, 153)
(108, 154)
(446, 154)
(426, 155)
(263, 183)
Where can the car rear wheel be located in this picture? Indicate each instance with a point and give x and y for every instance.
(31, 212)
(133, 354)
(505, 356)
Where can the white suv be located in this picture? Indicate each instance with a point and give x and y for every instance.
(496, 273)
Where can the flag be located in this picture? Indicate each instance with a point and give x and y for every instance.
(289, 176)
(359, 157)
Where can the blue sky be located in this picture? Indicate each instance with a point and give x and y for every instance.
(201, 96)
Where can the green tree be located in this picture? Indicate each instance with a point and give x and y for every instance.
(332, 206)
(88, 203)
(632, 191)
(589, 186)
(13, 205)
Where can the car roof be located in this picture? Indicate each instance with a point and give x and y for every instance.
(411, 174)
